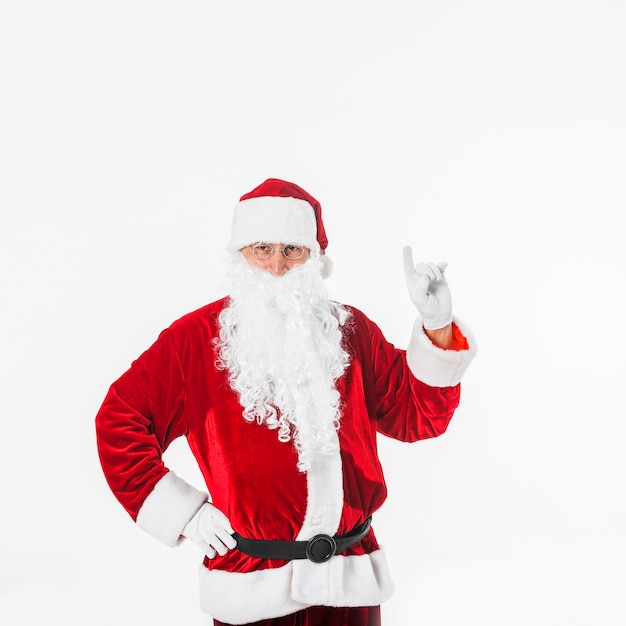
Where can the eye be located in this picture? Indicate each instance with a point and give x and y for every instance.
(262, 250)
(292, 251)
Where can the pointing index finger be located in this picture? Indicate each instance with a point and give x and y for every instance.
(407, 255)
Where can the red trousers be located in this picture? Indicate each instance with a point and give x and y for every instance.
(324, 616)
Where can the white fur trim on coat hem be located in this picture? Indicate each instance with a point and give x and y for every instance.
(435, 366)
(238, 598)
(166, 511)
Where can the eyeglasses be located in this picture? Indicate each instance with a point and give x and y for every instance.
(264, 251)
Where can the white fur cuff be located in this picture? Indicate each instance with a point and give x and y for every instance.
(166, 511)
(435, 366)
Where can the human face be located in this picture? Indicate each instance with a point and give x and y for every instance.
(277, 263)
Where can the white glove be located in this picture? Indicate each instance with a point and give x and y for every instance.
(429, 290)
(210, 530)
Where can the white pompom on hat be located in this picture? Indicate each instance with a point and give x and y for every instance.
(278, 211)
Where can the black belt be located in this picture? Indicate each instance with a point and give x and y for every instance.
(318, 549)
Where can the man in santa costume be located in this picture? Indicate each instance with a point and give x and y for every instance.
(281, 393)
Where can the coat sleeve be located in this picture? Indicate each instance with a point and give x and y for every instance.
(142, 413)
(417, 390)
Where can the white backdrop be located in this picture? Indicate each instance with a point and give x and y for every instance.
(490, 134)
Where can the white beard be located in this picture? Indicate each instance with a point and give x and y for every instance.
(281, 343)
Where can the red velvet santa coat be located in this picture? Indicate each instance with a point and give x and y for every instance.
(175, 389)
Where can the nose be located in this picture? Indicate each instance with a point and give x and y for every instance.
(277, 264)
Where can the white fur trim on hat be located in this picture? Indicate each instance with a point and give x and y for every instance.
(273, 219)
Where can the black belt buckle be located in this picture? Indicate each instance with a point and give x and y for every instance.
(320, 548)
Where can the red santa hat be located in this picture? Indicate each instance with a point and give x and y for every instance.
(278, 212)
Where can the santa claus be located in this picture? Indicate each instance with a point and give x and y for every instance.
(281, 393)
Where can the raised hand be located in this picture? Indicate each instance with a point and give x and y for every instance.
(429, 290)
